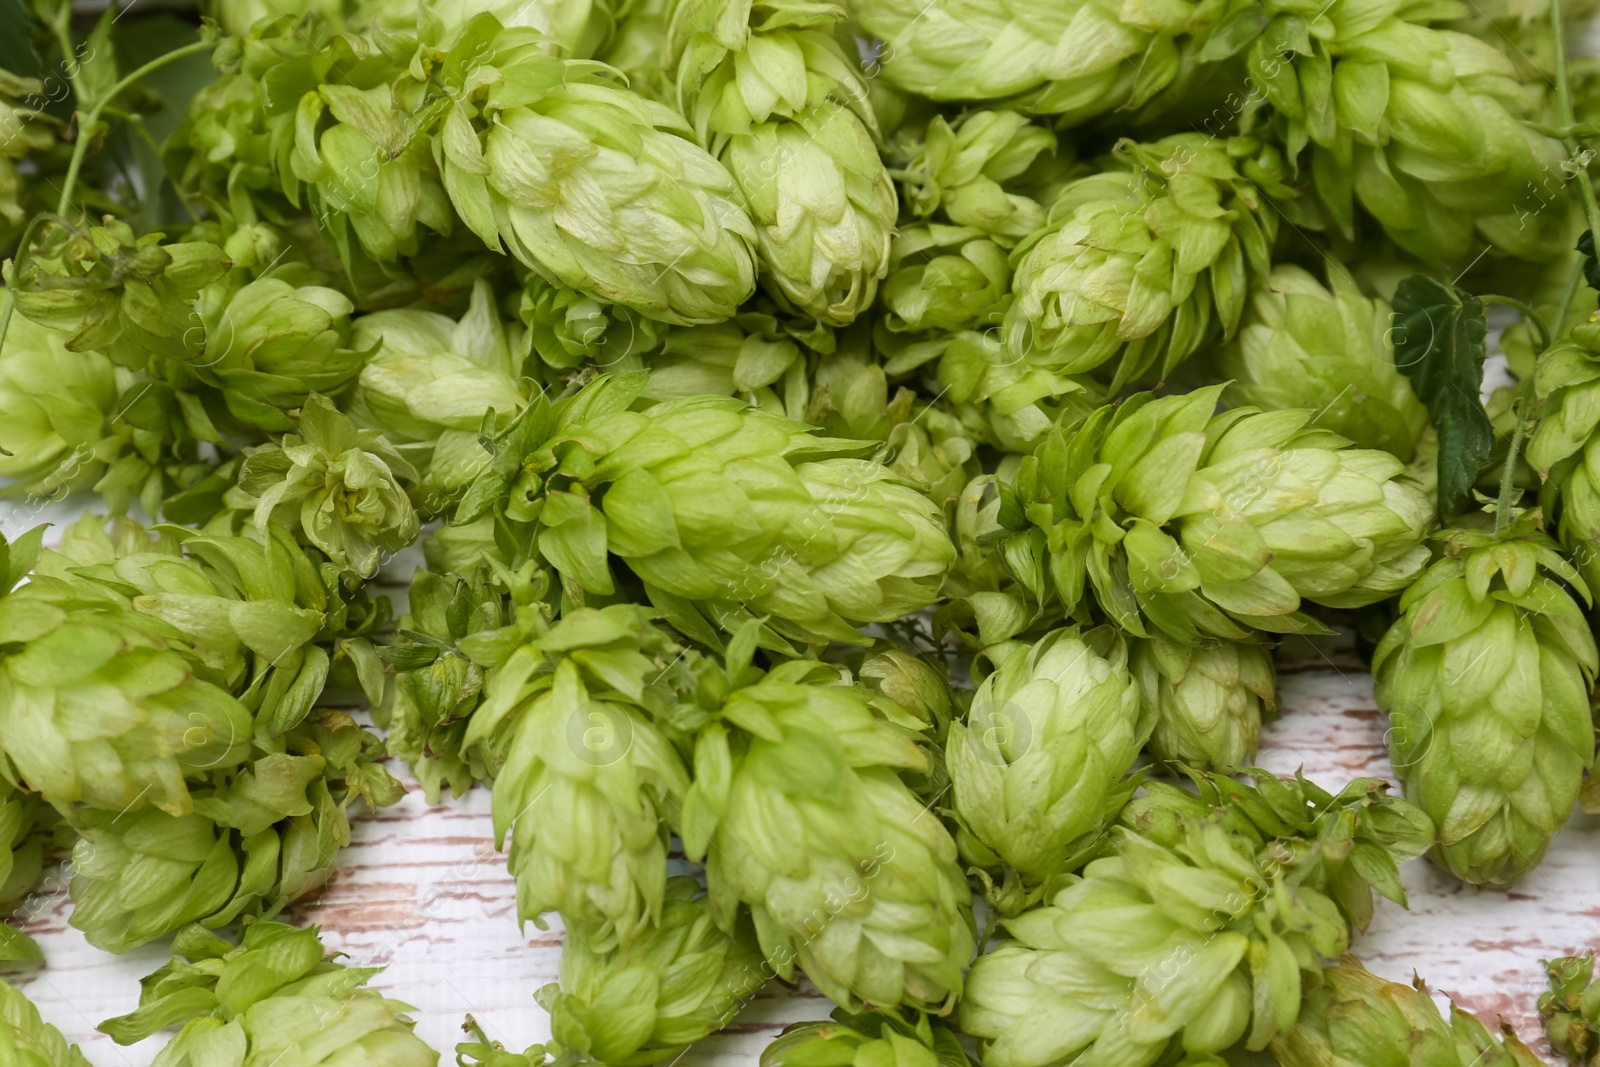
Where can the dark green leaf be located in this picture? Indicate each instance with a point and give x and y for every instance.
(1439, 343)
(1591, 265)
(16, 40)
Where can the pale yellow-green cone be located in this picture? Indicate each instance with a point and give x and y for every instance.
(1353, 1018)
(1038, 767)
(577, 29)
(589, 183)
(26, 1040)
(258, 839)
(1172, 518)
(590, 787)
(648, 999)
(101, 705)
(960, 171)
(1302, 345)
(333, 486)
(55, 408)
(1486, 677)
(430, 384)
(1202, 926)
(724, 512)
(1072, 60)
(799, 813)
(1206, 701)
(1565, 446)
(1570, 1009)
(277, 997)
(772, 94)
(1143, 263)
(911, 1039)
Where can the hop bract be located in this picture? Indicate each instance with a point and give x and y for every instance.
(1206, 702)
(1486, 677)
(29, 1041)
(1194, 524)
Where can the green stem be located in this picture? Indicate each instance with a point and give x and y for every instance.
(1529, 315)
(88, 122)
(1573, 282)
(1508, 474)
(1591, 209)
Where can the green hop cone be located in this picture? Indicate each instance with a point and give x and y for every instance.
(589, 782)
(1353, 1018)
(1207, 701)
(100, 704)
(1177, 520)
(1077, 61)
(260, 837)
(798, 812)
(430, 383)
(255, 608)
(272, 342)
(132, 298)
(568, 329)
(772, 94)
(722, 511)
(1567, 379)
(1199, 929)
(648, 999)
(1305, 346)
(589, 183)
(1040, 766)
(1143, 263)
(275, 997)
(1423, 127)
(55, 408)
(1486, 678)
(23, 825)
(1570, 1009)
(334, 486)
(911, 1039)
(943, 278)
(961, 172)
(26, 1040)
(575, 28)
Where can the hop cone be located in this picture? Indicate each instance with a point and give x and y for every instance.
(1567, 378)
(1039, 766)
(588, 183)
(334, 486)
(276, 997)
(254, 609)
(1200, 929)
(259, 838)
(131, 297)
(26, 1040)
(567, 329)
(1486, 676)
(273, 341)
(649, 999)
(1571, 1009)
(1356, 1019)
(1072, 60)
(720, 510)
(1206, 701)
(1423, 127)
(798, 812)
(1192, 524)
(430, 383)
(965, 172)
(589, 781)
(574, 28)
(1143, 263)
(772, 95)
(103, 705)
(1305, 346)
(871, 1038)
(22, 837)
